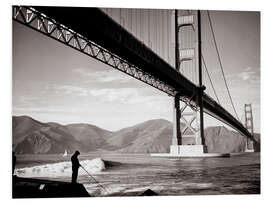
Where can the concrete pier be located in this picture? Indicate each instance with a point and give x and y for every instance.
(182, 151)
(186, 150)
(203, 155)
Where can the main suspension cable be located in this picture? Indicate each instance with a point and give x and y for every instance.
(210, 79)
(211, 26)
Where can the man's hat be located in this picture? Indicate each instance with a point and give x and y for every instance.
(77, 152)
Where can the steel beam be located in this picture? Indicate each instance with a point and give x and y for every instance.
(48, 26)
(110, 43)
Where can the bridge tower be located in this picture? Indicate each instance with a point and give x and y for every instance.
(188, 139)
(249, 127)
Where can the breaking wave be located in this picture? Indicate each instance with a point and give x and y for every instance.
(61, 169)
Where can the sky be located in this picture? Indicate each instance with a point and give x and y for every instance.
(54, 83)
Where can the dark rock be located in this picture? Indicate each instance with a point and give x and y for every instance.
(35, 188)
(149, 192)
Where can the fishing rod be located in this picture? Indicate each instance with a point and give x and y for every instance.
(95, 179)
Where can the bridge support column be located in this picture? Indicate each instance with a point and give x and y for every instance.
(249, 126)
(176, 140)
(188, 141)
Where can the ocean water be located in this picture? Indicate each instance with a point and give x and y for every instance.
(132, 174)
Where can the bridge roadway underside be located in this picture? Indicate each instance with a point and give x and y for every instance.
(96, 26)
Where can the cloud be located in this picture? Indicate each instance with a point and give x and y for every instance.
(119, 94)
(102, 76)
(47, 109)
(126, 95)
(250, 75)
(81, 71)
(123, 95)
(26, 100)
(69, 90)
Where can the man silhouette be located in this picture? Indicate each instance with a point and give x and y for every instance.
(75, 166)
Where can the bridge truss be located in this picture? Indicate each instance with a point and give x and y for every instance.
(159, 74)
(40, 22)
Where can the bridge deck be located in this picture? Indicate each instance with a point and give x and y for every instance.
(96, 26)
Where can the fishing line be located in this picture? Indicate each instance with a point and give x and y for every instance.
(95, 180)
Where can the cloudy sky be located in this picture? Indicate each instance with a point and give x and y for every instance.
(52, 82)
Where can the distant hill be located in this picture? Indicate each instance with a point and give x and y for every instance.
(33, 137)
(220, 139)
(92, 137)
(22, 126)
(150, 136)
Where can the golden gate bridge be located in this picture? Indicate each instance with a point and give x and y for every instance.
(162, 48)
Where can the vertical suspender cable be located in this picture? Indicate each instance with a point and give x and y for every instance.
(162, 41)
(158, 34)
(156, 41)
(149, 27)
(176, 42)
(136, 22)
(120, 16)
(168, 35)
(131, 19)
(141, 25)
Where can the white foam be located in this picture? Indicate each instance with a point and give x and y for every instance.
(61, 169)
(144, 188)
(200, 185)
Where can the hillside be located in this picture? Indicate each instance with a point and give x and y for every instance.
(150, 136)
(34, 137)
(220, 139)
(22, 126)
(92, 137)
